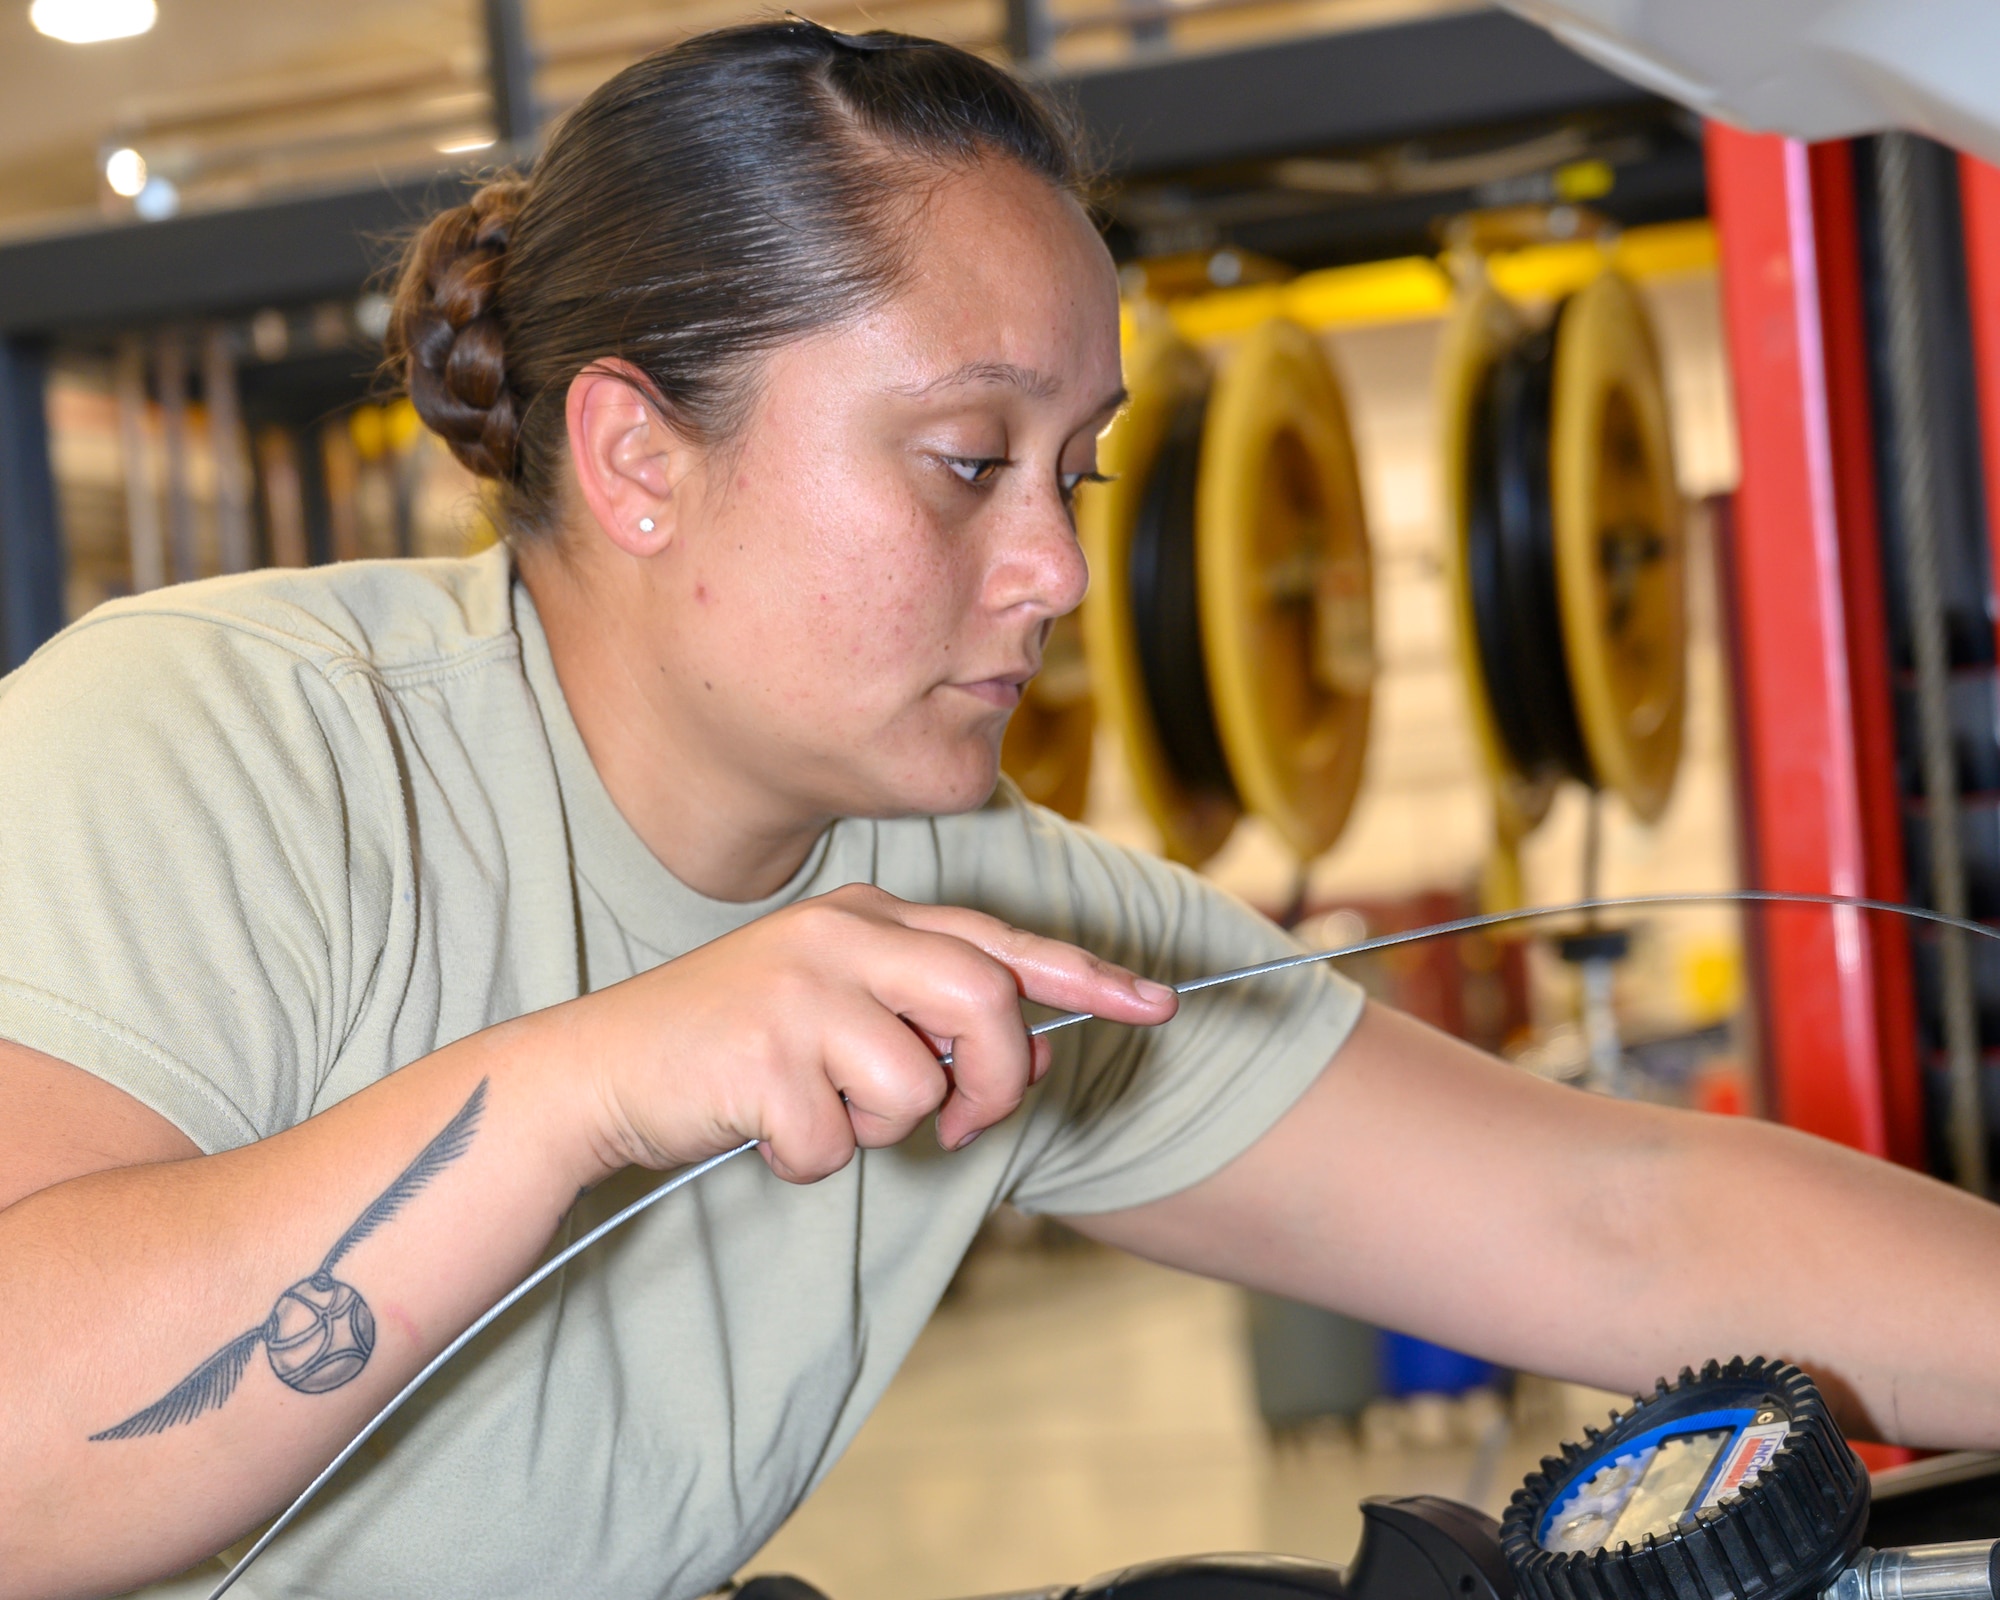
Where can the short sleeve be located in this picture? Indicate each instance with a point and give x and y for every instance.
(1130, 1115)
(186, 890)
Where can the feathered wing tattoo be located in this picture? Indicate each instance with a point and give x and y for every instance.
(320, 1333)
(440, 1153)
(204, 1389)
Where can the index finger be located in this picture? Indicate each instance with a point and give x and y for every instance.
(1049, 971)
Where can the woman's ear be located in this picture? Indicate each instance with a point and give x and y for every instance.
(627, 459)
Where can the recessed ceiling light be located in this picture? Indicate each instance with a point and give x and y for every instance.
(125, 171)
(459, 147)
(91, 21)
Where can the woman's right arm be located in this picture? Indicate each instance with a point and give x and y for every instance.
(190, 1338)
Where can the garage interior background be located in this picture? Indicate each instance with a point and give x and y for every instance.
(191, 224)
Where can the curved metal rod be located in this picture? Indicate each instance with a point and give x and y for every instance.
(1494, 919)
(1435, 930)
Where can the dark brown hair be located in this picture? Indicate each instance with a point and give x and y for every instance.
(717, 199)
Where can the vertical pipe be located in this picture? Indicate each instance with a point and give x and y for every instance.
(142, 510)
(1149, 28)
(510, 72)
(1606, 1073)
(170, 372)
(1031, 33)
(284, 496)
(1907, 316)
(340, 476)
(236, 547)
(406, 468)
(31, 547)
(1593, 849)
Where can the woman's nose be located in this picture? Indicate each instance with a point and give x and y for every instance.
(1045, 566)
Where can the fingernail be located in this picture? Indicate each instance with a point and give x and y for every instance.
(1150, 991)
(976, 1132)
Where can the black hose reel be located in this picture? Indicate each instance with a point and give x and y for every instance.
(1230, 622)
(1566, 551)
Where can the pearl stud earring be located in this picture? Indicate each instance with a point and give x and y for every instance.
(645, 524)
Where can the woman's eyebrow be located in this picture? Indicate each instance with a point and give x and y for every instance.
(1036, 385)
(1114, 401)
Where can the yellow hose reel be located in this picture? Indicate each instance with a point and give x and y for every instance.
(1566, 548)
(1230, 624)
(1167, 382)
(1287, 597)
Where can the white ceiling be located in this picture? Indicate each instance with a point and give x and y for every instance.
(59, 101)
(54, 94)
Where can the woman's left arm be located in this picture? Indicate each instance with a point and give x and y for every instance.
(1425, 1186)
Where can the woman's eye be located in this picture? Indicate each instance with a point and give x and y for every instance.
(975, 470)
(1071, 479)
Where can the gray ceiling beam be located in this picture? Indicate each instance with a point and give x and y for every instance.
(1369, 86)
(204, 263)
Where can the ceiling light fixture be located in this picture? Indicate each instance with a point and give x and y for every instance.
(125, 172)
(459, 147)
(92, 21)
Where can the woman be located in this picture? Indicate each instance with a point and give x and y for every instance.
(367, 929)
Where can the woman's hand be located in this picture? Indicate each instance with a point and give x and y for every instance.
(817, 1030)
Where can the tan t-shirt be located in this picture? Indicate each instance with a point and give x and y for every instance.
(266, 839)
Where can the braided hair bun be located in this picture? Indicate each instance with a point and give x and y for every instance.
(447, 333)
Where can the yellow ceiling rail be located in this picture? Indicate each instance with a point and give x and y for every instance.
(1412, 288)
(1666, 250)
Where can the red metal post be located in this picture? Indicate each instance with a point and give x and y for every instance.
(1813, 689)
(1979, 191)
(1851, 429)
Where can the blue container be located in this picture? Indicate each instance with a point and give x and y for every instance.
(1416, 1366)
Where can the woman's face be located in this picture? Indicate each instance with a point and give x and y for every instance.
(860, 583)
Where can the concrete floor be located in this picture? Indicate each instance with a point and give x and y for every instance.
(1072, 1412)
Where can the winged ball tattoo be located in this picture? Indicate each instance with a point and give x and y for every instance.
(321, 1333)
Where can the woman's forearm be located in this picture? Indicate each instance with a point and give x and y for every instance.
(188, 1342)
(1884, 1283)
(1425, 1186)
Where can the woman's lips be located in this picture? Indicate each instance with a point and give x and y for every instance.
(1004, 693)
